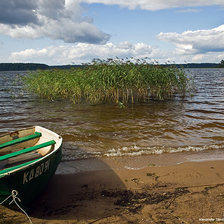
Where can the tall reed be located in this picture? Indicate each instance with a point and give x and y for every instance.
(110, 81)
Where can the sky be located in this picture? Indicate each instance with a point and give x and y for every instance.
(57, 32)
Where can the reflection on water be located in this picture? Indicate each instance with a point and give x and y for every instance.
(195, 123)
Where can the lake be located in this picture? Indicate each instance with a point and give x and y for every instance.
(195, 123)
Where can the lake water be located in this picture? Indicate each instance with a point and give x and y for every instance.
(193, 124)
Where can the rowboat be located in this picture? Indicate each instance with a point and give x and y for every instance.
(28, 160)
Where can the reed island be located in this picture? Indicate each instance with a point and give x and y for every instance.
(110, 81)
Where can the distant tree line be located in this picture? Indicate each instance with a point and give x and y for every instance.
(202, 65)
(31, 66)
(37, 66)
(21, 66)
(198, 65)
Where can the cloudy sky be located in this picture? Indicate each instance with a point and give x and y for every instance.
(76, 31)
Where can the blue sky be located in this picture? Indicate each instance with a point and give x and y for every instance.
(76, 31)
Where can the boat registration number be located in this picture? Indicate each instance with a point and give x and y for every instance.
(36, 172)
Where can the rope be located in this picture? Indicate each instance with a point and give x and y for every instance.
(14, 197)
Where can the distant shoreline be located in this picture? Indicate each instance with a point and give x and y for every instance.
(37, 66)
(32, 66)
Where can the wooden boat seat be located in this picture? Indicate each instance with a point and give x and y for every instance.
(19, 140)
(26, 150)
(21, 159)
(4, 171)
(25, 155)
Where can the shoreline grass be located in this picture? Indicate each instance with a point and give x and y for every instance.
(111, 81)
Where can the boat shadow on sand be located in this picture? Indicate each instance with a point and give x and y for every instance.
(79, 191)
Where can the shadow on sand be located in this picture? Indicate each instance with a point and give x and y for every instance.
(77, 191)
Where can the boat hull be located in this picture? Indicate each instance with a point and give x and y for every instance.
(29, 180)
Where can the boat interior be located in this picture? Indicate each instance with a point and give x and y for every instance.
(24, 146)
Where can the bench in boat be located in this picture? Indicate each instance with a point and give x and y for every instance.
(20, 140)
(6, 170)
(26, 154)
(26, 150)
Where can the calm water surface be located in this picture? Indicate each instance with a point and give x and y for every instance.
(195, 123)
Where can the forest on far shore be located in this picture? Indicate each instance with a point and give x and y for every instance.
(37, 66)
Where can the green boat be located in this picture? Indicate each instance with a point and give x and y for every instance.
(28, 160)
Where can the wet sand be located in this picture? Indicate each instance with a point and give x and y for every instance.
(132, 190)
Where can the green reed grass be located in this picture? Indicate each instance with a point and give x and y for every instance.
(111, 81)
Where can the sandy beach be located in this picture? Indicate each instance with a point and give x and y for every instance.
(152, 189)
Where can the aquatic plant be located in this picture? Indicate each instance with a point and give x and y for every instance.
(111, 81)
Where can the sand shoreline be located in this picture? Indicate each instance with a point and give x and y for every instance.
(130, 191)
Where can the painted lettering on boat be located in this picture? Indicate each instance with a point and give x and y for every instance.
(36, 172)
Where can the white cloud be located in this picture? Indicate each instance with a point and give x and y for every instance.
(196, 42)
(55, 19)
(83, 52)
(207, 57)
(157, 4)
